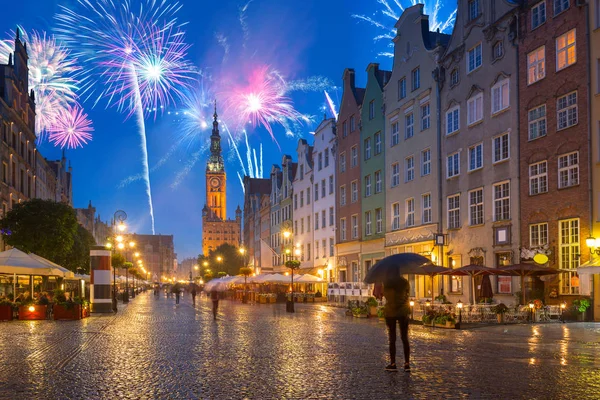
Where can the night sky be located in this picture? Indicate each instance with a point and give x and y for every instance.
(300, 39)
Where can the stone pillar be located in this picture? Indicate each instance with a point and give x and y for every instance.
(100, 280)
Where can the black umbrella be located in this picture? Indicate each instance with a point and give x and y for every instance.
(390, 269)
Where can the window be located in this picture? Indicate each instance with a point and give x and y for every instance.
(378, 181)
(474, 58)
(500, 96)
(320, 163)
(395, 216)
(567, 110)
(425, 116)
(410, 212)
(395, 174)
(473, 9)
(395, 133)
(296, 227)
(502, 201)
(504, 283)
(331, 216)
(401, 88)
(455, 281)
(379, 220)
(367, 185)
(425, 162)
(316, 191)
(343, 162)
(295, 202)
(537, 122)
(355, 226)
(371, 109)
(368, 224)
(308, 224)
(501, 148)
(475, 109)
(354, 159)
(498, 50)
(476, 157)
(367, 148)
(331, 247)
(426, 206)
(4, 172)
(302, 172)
(597, 14)
(538, 178)
(316, 249)
(453, 165)
(410, 168)
(416, 78)
(323, 188)
(352, 124)
(454, 77)
(343, 195)
(536, 65)
(354, 187)
(476, 207)
(308, 196)
(409, 121)
(568, 170)
(454, 211)
(538, 14)
(302, 225)
(566, 53)
(568, 256)
(538, 235)
(344, 129)
(452, 120)
(560, 6)
(331, 184)
(316, 222)
(377, 140)
(323, 219)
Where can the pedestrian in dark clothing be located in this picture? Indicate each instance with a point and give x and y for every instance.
(214, 296)
(177, 294)
(194, 296)
(397, 309)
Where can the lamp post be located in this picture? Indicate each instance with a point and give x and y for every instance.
(531, 306)
(459, 305)
(562, 312)
(245, 272)
(119, 220)
(412, 309)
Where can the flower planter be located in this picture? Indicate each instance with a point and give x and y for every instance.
(262, 300)
(6, 313)
(448, 325)
(272, 299)
(373, 311)
(85, 312)
(32, 312)
(320, 299)
(63, 313)
(500, 318)
(361, 315)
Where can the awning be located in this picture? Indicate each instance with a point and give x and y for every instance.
(308, 278)
(67, 274)
(590, 267)
(14, 261)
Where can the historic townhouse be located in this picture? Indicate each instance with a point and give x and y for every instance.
(554, 141)
(372, 167)
(254, 191)
(594, 60)
(267, 252)
(348, 178)
(480, 143)
(276, 242)
(324, 199)
(303, 204)
(412, 155)
(288, 169)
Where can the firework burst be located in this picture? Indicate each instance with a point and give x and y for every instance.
(391, 10)
(71, 128)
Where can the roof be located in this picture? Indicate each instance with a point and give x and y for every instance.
(359, 95)
(258, 186)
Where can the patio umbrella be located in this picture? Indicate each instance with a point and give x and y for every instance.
(66, 273)
(486, 287)
(389, 270)
(308, 278)
(472, 270)
(431, 271)
(14, 261)
(524, 269)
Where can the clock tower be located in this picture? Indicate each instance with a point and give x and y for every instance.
(216, 200)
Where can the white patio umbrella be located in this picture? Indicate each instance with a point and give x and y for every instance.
(277, 278)
(308, 278)
(14, 261)
(66, 273)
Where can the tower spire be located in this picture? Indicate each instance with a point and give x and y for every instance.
(215, 161)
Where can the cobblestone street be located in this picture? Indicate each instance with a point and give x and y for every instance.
(154, 349)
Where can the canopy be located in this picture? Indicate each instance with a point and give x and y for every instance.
(473, 270)
(308, 278)
(524, 269)
(590, 267)
(67, 274)
(14, 261)
(272, 278)
(83, 277)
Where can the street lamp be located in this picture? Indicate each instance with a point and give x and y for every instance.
(120, 226)
(412, 309)
(531, 306)
(562, 311)
(459, 305)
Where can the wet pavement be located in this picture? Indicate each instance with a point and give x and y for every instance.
(154, 349)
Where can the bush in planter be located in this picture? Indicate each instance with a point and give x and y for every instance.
(581, 305)
(319, 294)
(428, 317)
(372, 302)
(500, 308)
(6, 309)
(380, 312)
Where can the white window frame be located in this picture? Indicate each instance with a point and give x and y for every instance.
(378, 182)
(368, 224)
(536, 118)
(476, 207)
(566, 49)
(536, 65)
(343, 195)
(452, 120)
(500, 97)
(453, 207)
(402, 88)
(409, 125)
(395, 216)
(410, 212)
(395, 136)
(368, 185)
(454, 74)
(425, 116)
(395, 181)
(476, 53)
(569, 233)
(354, 191)
(538, 178)
(567, 112)
(343, 162)
(343, 228)
(498, 50)
(379, 220)
(425, 162)
(560, 6)
(541, 14)
(416, 78)
(354, 156)
(354, 220)
(538, 235)
(476, 157)
(501, 199)
(474, 10)
(475, 109)
(453, 165)
(501, 148)
(409, 163)
(426, 208)
(377, 141)
(569, 169)
(367, 148)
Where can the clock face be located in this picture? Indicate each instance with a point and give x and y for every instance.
(214, 182)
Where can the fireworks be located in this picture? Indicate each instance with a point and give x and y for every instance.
(393, 11)
(71, 128)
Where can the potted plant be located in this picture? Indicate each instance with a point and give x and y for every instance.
(444, 319)
(6, 310)
(372, 303)
(360, 311)
(441, 298)
(64, 309)
(581, 306)
(381, 313)
(500, 310)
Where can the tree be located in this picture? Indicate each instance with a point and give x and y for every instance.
(43, 227)
(79, 256)
(117, 260)
(246, 271)
(231, 259)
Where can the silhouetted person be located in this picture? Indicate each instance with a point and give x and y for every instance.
(214, 296)
(397, 309)
(194, 296)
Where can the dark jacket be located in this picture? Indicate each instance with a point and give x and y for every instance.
(397, 299)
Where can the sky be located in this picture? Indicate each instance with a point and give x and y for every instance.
(299, 39)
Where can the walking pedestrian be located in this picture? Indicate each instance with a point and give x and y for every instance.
(177, 294)
(397, 309)
(214, 296)
(194, 296)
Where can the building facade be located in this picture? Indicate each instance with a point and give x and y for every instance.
(480, 143)
(216, 228)
(303, 204)
(594, 57)
(157, 253)
(275, 230)
(254, 191)
(348, 178)
(288, 169)
(87, 218)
